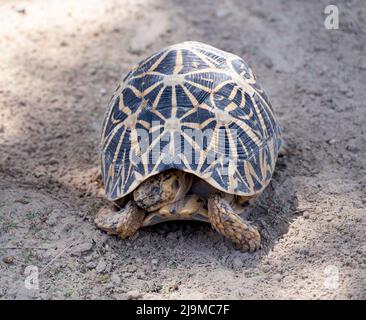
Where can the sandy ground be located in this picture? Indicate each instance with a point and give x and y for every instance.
(59, 64)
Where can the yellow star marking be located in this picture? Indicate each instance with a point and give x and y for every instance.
(151, 88)
(190, 96)
(174, 103)
(157, 99)
(199, 86)
(209, 61)
(157, 62)
(233, 93)
(178, 62)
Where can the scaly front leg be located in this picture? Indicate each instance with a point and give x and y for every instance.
(124, 222)
(227, 222)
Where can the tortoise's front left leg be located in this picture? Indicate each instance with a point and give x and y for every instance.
(124, 222)
(227, 222)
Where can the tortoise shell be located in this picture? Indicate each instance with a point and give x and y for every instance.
(194, 108)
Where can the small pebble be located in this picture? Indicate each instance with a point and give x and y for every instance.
(331, 141)
(22, 201)
(266, 269)
(9, 259)
(103, 92)
(101, 266)
(268, 63)
(133, 295)
(277, 277)
(174, 287)
(115, 279)
(52, 220)
(139, 260)
(222, 12)
(88, 258)
(82, 248)
(91, 265)
(353, 147)
(21, 10)
(131, 268)
(67, 227)
(306, 215)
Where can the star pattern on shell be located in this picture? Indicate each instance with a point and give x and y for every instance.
(194, 108)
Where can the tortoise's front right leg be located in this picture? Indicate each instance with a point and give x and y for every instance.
(227, 222)
(124, 222)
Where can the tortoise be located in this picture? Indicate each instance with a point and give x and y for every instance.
(207, 101)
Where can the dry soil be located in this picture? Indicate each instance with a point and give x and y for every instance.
(60, 61)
